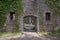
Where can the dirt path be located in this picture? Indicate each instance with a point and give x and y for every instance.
(29, 36)
(35, 36)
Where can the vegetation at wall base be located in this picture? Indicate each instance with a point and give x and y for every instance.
(55, 32)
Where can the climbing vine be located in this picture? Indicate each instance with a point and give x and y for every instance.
(55, 7)
(6, 6)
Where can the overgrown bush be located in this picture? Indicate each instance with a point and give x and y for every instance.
(56, 32)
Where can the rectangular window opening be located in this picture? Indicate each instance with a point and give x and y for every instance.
(12, 15)
(48, 16)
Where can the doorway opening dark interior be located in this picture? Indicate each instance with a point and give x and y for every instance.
(30, 23)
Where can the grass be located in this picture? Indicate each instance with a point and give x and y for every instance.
(43, 33)
(53, 33)
(3, 33)
(9, 33)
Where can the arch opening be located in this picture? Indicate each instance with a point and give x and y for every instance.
(30, 23)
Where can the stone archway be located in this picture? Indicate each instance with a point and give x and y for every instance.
(30, 23)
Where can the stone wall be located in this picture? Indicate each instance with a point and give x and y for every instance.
(43, 8)
(37, 8)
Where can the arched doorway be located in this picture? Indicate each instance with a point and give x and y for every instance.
(30, 23)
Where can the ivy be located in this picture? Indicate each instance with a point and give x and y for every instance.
(6, 6)
(55, 7)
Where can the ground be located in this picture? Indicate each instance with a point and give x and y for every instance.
(29, 36)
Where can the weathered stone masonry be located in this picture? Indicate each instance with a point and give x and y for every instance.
(37, 8)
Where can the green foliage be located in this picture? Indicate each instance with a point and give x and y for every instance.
(41, 18)
(6, 6)
(55, 7)
(56, 32)
(17, 6)
(1, 33)
(2, 14)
